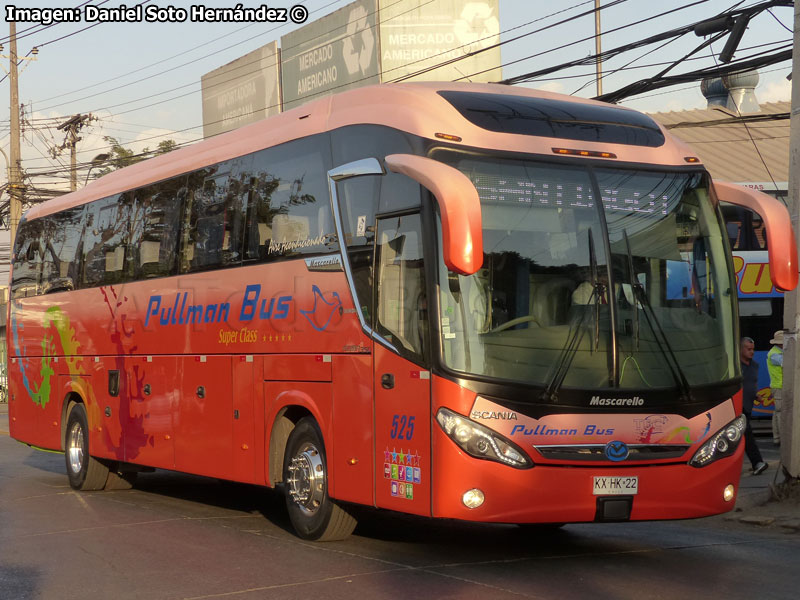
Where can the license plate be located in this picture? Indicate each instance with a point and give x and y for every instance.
(616, 486)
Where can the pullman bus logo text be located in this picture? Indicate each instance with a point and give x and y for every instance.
(598, 401)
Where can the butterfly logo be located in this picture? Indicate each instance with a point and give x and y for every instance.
(323, 310)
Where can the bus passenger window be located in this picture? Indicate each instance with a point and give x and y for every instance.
(106, 241)
(60, 244)
(155, 228)
(28, 262)
(288, 206)
(212, 236)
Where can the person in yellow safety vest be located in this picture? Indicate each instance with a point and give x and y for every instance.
(775, 368)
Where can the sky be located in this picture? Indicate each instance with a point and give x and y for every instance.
(142, 80)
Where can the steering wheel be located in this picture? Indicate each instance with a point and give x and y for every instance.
(514, 322)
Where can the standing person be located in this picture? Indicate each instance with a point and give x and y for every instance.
(749, 389)
(775, 368)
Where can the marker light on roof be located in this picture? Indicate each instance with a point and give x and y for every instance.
(448, 137)
(591, 153)
(691, 159)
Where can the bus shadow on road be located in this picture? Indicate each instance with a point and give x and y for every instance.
(50, 462)
(210, 495)
(388, 526)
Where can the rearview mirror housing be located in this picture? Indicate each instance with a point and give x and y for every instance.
(459, 205)
(781, 242)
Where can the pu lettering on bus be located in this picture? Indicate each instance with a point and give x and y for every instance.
(181, 314)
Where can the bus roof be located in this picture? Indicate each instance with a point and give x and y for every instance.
(416, 108)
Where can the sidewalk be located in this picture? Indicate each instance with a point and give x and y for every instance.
(756, 503)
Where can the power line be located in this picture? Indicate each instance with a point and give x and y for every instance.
(258, 61)
(41, 27)
(63, 37)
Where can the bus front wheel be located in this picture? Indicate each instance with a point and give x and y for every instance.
(84, 471)
(314, 515)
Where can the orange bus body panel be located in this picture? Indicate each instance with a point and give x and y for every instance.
(560, 491)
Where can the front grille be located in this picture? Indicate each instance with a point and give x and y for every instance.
(597, 452)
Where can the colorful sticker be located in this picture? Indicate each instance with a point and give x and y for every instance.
(403, 472)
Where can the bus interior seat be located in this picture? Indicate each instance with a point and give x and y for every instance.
(290, 229)
(551, 301)
(115, 259)
(148, 257)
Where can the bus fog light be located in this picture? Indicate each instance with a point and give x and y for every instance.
(473, 498)
(728, 493)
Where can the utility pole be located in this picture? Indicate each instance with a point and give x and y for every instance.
(14, 171)
(597, 50)
(16, 189)
(790, 411)
(71, 127)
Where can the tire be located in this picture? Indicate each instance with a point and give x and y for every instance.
(84, 471)
(314, 515)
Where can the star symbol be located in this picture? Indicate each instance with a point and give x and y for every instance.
(402, 457)
(387, 456)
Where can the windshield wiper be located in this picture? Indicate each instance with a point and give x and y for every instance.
(633, 283)
(569, 350)
(663, 344)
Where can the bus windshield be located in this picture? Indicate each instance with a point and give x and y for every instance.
(636, 296)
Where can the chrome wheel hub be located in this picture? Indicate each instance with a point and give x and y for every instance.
(306, 479)
(75, 447)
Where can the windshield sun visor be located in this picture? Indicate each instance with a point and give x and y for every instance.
(587, 122)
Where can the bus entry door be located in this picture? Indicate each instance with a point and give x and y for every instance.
(402, 385)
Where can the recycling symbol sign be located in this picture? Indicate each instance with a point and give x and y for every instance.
(477, 25)
(359, 42)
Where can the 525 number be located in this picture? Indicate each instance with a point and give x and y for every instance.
(402, 427)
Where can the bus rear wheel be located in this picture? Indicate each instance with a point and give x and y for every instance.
(83, 470)
(314, 515)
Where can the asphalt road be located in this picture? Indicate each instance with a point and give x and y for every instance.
(178, 537)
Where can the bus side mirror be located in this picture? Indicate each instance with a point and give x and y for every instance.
(781, 242)
(459, 205)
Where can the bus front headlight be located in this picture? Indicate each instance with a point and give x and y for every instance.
(721, 444)
(481, 442)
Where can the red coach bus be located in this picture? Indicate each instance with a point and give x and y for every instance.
(440, 299)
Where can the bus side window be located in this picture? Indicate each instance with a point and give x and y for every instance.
(155, 229)
(27, 260)
(63, 236)
(213, 220)
(288, 212)
(106, 241)
(402, 315)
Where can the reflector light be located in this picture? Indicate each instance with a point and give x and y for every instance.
(591, 153)
(448, 137)
(691, 159)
